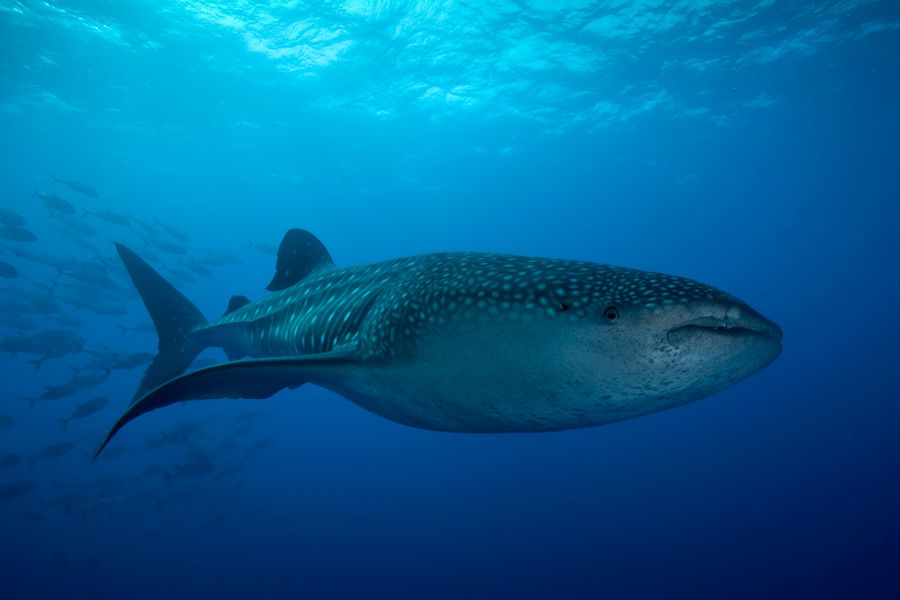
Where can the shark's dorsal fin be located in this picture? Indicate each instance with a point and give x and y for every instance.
(300, 254)
(236, 302)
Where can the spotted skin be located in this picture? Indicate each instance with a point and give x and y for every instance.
(462, 342)
(386, 306)
(492, 343)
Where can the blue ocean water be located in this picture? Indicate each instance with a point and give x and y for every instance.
(750, 145)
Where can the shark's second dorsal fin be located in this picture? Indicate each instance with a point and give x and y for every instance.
(300, 254)
(236, 302)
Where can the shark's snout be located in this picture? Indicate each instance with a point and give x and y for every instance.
(750, 320)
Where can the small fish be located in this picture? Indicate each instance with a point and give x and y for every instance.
(181, 275)
(39, 259)
(84, 410)
(242, 430)
(7, 271)
(9, 217)
(52, 343)
(69, 321)
(230, 470)
(166, 246)
(139, 328)
(89, 276)
(17, 234)
(195, 468)
(9, 460)
(182, 434)
(112, 360)
(44, 306)
(267, 249)
(174, 232)
(148, 228)
(218, 259)
(198, 269)
(16, 490)
(260, 445)
(75, 229)
(53, 451)
(6, 420)
(152, 471)
(107, 310)
(80, 381)
(108, 216)
(77, 186)
(56, 204)
(16, 322)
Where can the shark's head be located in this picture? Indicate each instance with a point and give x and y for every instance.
(656, 341)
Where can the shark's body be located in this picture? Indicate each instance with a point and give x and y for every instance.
(462, 342)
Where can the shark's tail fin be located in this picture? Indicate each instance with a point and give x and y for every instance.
(174, 316)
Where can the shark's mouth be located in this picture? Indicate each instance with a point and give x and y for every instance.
(724, 327)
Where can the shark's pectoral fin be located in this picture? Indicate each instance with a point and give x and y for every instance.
(253, 379)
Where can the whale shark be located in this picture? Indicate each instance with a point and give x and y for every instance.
(457, 341)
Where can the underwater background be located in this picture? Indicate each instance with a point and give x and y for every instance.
(751, 145)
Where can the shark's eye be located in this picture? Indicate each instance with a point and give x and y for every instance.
(611, 313)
